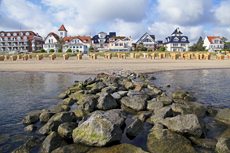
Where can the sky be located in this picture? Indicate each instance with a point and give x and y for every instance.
(133, 18)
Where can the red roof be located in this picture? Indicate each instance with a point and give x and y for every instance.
(211, 38)
(53, 34)
(30, 36)
(82, 38)
(62, 28)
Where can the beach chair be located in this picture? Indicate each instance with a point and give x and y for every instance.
(65, 56)
(123, 56)
(153, 55)
(39, 57)
(2, 58)
(13, 58)
(79, 56)
(25, 57)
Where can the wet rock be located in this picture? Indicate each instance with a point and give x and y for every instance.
(223, 145)
(98, 87)
(136, 103)
(165, 99)
(135, 128)
(122, 93)
(106, 102)
(65, 130)
(30, 128)
(121, 148)
(161, 114)
(151, 78)
(109, 89)
(189, 125)
(63, 95)
(223, 116)
(44, 117)
(189, 97)
(167, 141)
(68, 101)
(138, 88)
(179, 95)
(89, 87)
(77, 95)
(97, 130)
(30, 119)
(88, 105)
(80, 113)
(207, 143)
(21, 149)
(72, 148)
(52, 141)
(129, 85)
(144, 116)
(89, 81)
(210, 111)
(153, 105)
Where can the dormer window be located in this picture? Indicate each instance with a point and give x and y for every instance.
(175, 39)
(112, 39)
(85, 40)
(127, 39)
(6, 38)
(8, 34)
(15, 34)
(21, 33)
(216, 41)
(2, 34)
(183, 39)
(27, 33)
(25, 38)
(18, 38)
(12, 38)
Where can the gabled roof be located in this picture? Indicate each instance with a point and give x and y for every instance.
(62, 28)
(82, 38)
(152, 36)
(30, 37)
(102, 32)
(177, 31)
(179, 38)
(53, 34)
(211, 38)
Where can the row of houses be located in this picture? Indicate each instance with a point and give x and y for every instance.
(28, 41)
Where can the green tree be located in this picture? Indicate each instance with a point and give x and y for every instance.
(69, 50)
(51, 50)
(59, 44)
(77, 51)
(91, 48)
(42, 50)
(59, 50)
(138, 48)
(199, 45)
(224, 39)
(162, 49)
(144, 49)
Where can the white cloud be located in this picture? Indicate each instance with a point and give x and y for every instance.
(189, 12)
(222, 13)
(219, 31)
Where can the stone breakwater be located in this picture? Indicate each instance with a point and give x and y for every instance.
(103, 106)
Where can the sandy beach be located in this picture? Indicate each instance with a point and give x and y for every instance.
(90, 66)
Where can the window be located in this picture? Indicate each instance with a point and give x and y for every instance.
(6, 38)
(147, 40)
(70, 46)
(183, 39)
(21, 33)
(174, 49)
(73, 46)
(216, 41)
(27, 33)
(126, 39)
(8, 34)
(15, 34)
(51, 40)
(175, 45)
(116, 44)
(12, 38)
(25, 38)
(52, 46)
(18, 38)
(147, 45)
(25, 43)
(175, 39)
(80, 46)
(61, 33)
(2, 34)
(121, 44)
(182, 44)
(111, 44)
(105, 44)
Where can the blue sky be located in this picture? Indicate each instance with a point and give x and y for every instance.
(195, 18)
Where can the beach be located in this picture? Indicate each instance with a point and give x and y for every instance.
(101, 64)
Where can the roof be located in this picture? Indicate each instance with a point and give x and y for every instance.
(119, 37)
(62, 28)
(177, 31)
(102, 32)
(82, 38)
(211, 38)
(171, 39)
(30, 37)
(53, 34)
(152, 36)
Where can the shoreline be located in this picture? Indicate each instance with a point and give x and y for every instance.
(88, 66)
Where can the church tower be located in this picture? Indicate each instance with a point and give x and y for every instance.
(62, 32)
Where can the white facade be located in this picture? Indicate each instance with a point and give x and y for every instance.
(50, 41)
(122, 44)
(213, 43)
(77, 44)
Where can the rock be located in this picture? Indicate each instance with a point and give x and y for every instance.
(30, 119)
(151, 78)
(89, 87)
(136, 103)
(147, 81)
(97, 130)
(88, 105)
(133, 93)
(72, 148)
(223, 116)
(52, 141)
(206, 143)
(165, 99)
(179, 95)
(109, 89)
(21, 149)
(189, 108)
(120, 148)
(103, 75)
(122, 93)
(223, 145)
(89, 81)
(77, 95)
(144, 116)
(151, 87)
(68, 92)
(138, 88)
(65, 130)
(63, 95)
(44, 117)
(98, 87)
(189, 125)
(161, 114)
(168, 141)
(56, 120)
(168, 86)
(30, 128)
(157, 91)
(135, 128)
(68, 101)
(79, 113)
(129, 85)
(59, 108)
(153, 105)
(116, 96)
(189, 97)
(76, 88)
(106, 102)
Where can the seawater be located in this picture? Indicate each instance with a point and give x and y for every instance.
(21, 93)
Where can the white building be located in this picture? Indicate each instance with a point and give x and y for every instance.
(213, 43)
(148, 41)
(176, 42)
(50, 42)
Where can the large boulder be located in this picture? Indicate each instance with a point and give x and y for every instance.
(98, 87)
(179, 95)
(44, 117)
(135, 128)
(223, 145)
(206, 143)
(166, 100)
(137, 103)
(52, 141)
(63, 95)
(72, 148)
(88, 105)
(189, 125)
(68, 101)
(59, 108)
(30, 127)
(56, 120)
(161, 114)
(30, 119)
(109, 89)
(77, 95)
(65, 130)
(97, 130)
(163, 140)
(134, 93)
(106, 102)
(153, 105)
(189, 108)
(223, 116)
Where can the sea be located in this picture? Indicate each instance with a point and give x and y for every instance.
(22, 92)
